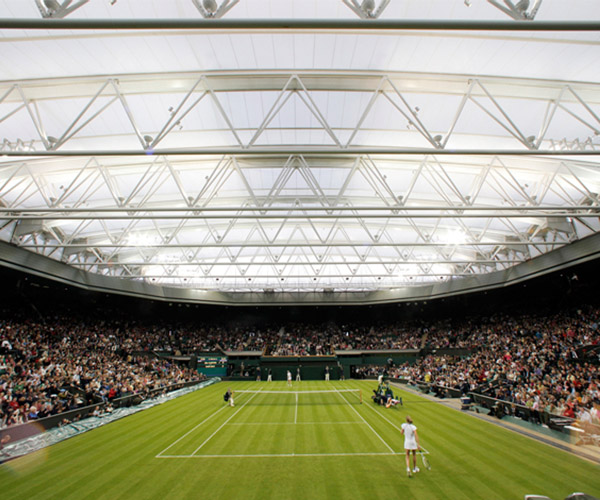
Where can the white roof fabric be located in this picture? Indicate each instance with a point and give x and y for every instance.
(298, 160)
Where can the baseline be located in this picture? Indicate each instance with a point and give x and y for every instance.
(291, 455)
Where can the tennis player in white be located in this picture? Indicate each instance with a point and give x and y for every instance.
(289, 378)
(411, 443)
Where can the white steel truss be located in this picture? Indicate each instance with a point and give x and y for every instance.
(523, 10)
(514, 113)
(53, 9)
(297, 222)
(243, 161)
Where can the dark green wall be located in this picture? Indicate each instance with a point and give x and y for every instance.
(312, 367)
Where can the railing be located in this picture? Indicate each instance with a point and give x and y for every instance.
(33, 427)
(501, 408)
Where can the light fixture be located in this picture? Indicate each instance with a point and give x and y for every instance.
(367, 9)
(210, 6)
(522, 6)
(53, 9)
(210, 9)
(368, 6)
(523, 10)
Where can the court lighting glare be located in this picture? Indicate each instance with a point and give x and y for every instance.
(143, 240)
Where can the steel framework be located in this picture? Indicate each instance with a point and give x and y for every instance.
(298, 181)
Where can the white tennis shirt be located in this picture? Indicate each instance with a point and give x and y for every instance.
(410, 439)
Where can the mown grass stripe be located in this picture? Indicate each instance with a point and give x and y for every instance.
(369, 425)
(471, 458)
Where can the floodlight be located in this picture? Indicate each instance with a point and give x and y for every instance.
(368, 9)
(52, 5)
(56, 10)
(211, 9)
(368, 6)
(210, 5)
(523, 10)
(522, 6)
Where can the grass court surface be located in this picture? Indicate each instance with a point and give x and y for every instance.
(302, 446)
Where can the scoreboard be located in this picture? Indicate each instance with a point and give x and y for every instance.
(212, 364)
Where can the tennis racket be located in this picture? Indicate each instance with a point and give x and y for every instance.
(425, 461)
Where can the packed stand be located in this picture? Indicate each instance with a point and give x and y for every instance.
(47, 370)
(325, 339)
(529, 361)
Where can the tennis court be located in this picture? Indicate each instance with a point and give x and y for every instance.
(289, 423)
(279, 442)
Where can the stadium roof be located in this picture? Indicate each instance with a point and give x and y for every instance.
(292, 152)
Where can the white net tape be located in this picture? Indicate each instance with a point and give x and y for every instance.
(357, 391)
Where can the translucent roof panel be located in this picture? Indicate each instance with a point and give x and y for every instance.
(301, 160)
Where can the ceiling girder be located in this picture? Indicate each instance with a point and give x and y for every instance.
(305, 85)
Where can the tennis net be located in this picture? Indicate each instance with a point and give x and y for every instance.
(282, 398)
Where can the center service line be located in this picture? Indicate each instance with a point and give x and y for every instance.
(296, 413)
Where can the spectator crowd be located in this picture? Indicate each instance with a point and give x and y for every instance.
(50, 368)
(51, 365)
(531, 361)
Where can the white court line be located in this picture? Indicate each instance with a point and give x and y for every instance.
(190, 431)
(296, 412)
(296, 423)
(361, 417)
(289, 455)
(223, 424)
(393, 425)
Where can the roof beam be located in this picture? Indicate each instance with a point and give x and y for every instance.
(292, 25)
(298, 150)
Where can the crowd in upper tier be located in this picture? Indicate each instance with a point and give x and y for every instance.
(529, 360)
